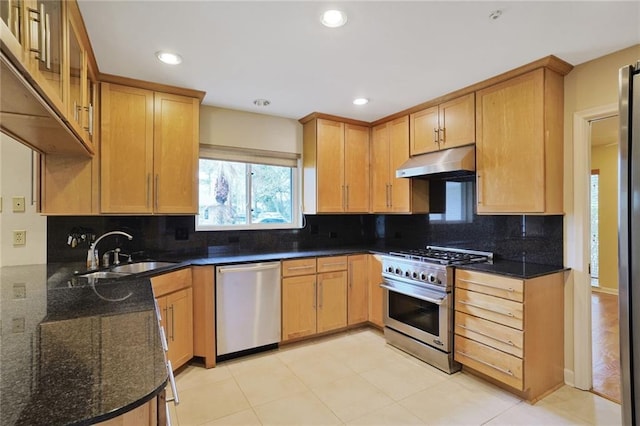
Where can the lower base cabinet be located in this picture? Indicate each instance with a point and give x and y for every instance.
(174, 295)
(510, 331)
(148, 414)
(375, 291)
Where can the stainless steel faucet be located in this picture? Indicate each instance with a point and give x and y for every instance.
(94, 263)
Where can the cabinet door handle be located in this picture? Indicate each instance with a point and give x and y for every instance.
(506, 314)
(40, 28)
(510, 289)
(479, 185)
(157, 190)
(315, 296)
(436, 135)
(47, 40)
(351, 275)
(346, 197)
(386, 195)
(148, 188)
(321, 296)
(442, 134)
(506, 342)
(488, 364)
(173, 331)
(172, 380)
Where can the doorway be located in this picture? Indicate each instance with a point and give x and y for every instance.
(603, 204)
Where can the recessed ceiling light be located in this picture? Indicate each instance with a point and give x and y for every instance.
(360, 101)
(333, 18)
(495, 14)
(168, 57)
(262, 102)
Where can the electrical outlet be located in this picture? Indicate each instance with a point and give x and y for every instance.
(18, 204)
(18, 325)
(19, 238)
(19, 291)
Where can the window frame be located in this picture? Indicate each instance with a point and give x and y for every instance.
(255, 157)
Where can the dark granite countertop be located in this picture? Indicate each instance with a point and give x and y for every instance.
(523, 270)
(75, 354)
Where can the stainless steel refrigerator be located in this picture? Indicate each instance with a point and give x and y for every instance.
(629, 241)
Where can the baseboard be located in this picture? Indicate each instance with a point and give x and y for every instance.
(569, 377)
(605, 290)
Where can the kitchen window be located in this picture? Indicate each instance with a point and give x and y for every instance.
(247, 189)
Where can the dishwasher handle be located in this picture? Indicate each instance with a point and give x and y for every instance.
(249, 268)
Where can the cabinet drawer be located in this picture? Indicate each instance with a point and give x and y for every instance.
(492, 362)
(292, 268)
(498, 336)
(488, 307)
(170, 282)
(332, 263)
(495, 285)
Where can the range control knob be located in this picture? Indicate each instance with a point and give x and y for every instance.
(423, 276)
(390, 269)
(432, 278)
(414, 275)
(398, 271)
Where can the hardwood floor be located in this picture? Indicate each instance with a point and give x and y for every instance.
(606, 345)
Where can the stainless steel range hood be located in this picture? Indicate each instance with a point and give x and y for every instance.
(448, 163)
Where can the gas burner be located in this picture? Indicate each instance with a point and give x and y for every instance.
(445, 256)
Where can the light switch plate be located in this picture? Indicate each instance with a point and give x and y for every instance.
(18, 204)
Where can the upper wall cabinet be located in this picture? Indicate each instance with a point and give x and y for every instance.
(149, 151)
(447, 125)
(36, 106)
(520, 145)
(389, 149)
(336, 167)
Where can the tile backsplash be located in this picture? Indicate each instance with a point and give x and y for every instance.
(537, 239)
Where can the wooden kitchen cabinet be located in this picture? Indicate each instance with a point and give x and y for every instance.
(511, 330)
(375, 291)
(204, 314)
(389, 149)
(335, 167)
(313, 302)
(443, 126)
(299, 302)
(357, 289)
(173, 292)
(149, 151)
(519, 149)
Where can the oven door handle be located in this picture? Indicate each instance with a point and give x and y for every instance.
(410, 294)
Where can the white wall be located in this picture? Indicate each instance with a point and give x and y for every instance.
(15, 180)
(227, 127)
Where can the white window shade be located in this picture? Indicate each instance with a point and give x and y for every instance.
(253, 156)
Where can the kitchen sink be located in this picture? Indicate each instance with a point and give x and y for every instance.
(103, 275)
(139, 267)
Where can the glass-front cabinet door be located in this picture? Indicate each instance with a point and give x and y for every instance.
(45, 43)
(12, 26)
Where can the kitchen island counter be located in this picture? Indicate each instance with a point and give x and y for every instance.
(76, 354)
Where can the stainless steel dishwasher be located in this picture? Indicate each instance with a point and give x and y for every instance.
(247, 308)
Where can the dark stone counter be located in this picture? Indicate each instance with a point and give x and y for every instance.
(75, 354)
(522, 270)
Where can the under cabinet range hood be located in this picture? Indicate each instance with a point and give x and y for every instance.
(449, 163)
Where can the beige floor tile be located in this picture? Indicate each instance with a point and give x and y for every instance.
(173, 414)
(588, 407)
(450, 403)
(299, 409)
(263, 386)
(524, 414)
(391, 415)
(351, 397)
(403, 378)
(206, 402)
(475, 384)
(300, 351)
(242, 418)
(318, 370)
(257, 363)
(195, 375)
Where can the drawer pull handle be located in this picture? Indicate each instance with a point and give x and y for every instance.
(510, 289)
(506, 342)
(506, 314)
(335, 264)
(295, 268)
(488, 364)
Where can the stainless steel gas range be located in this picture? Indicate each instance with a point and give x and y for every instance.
(418, 301)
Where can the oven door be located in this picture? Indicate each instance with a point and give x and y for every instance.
(420, 313)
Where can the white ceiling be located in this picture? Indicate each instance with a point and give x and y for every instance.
(398, 54)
